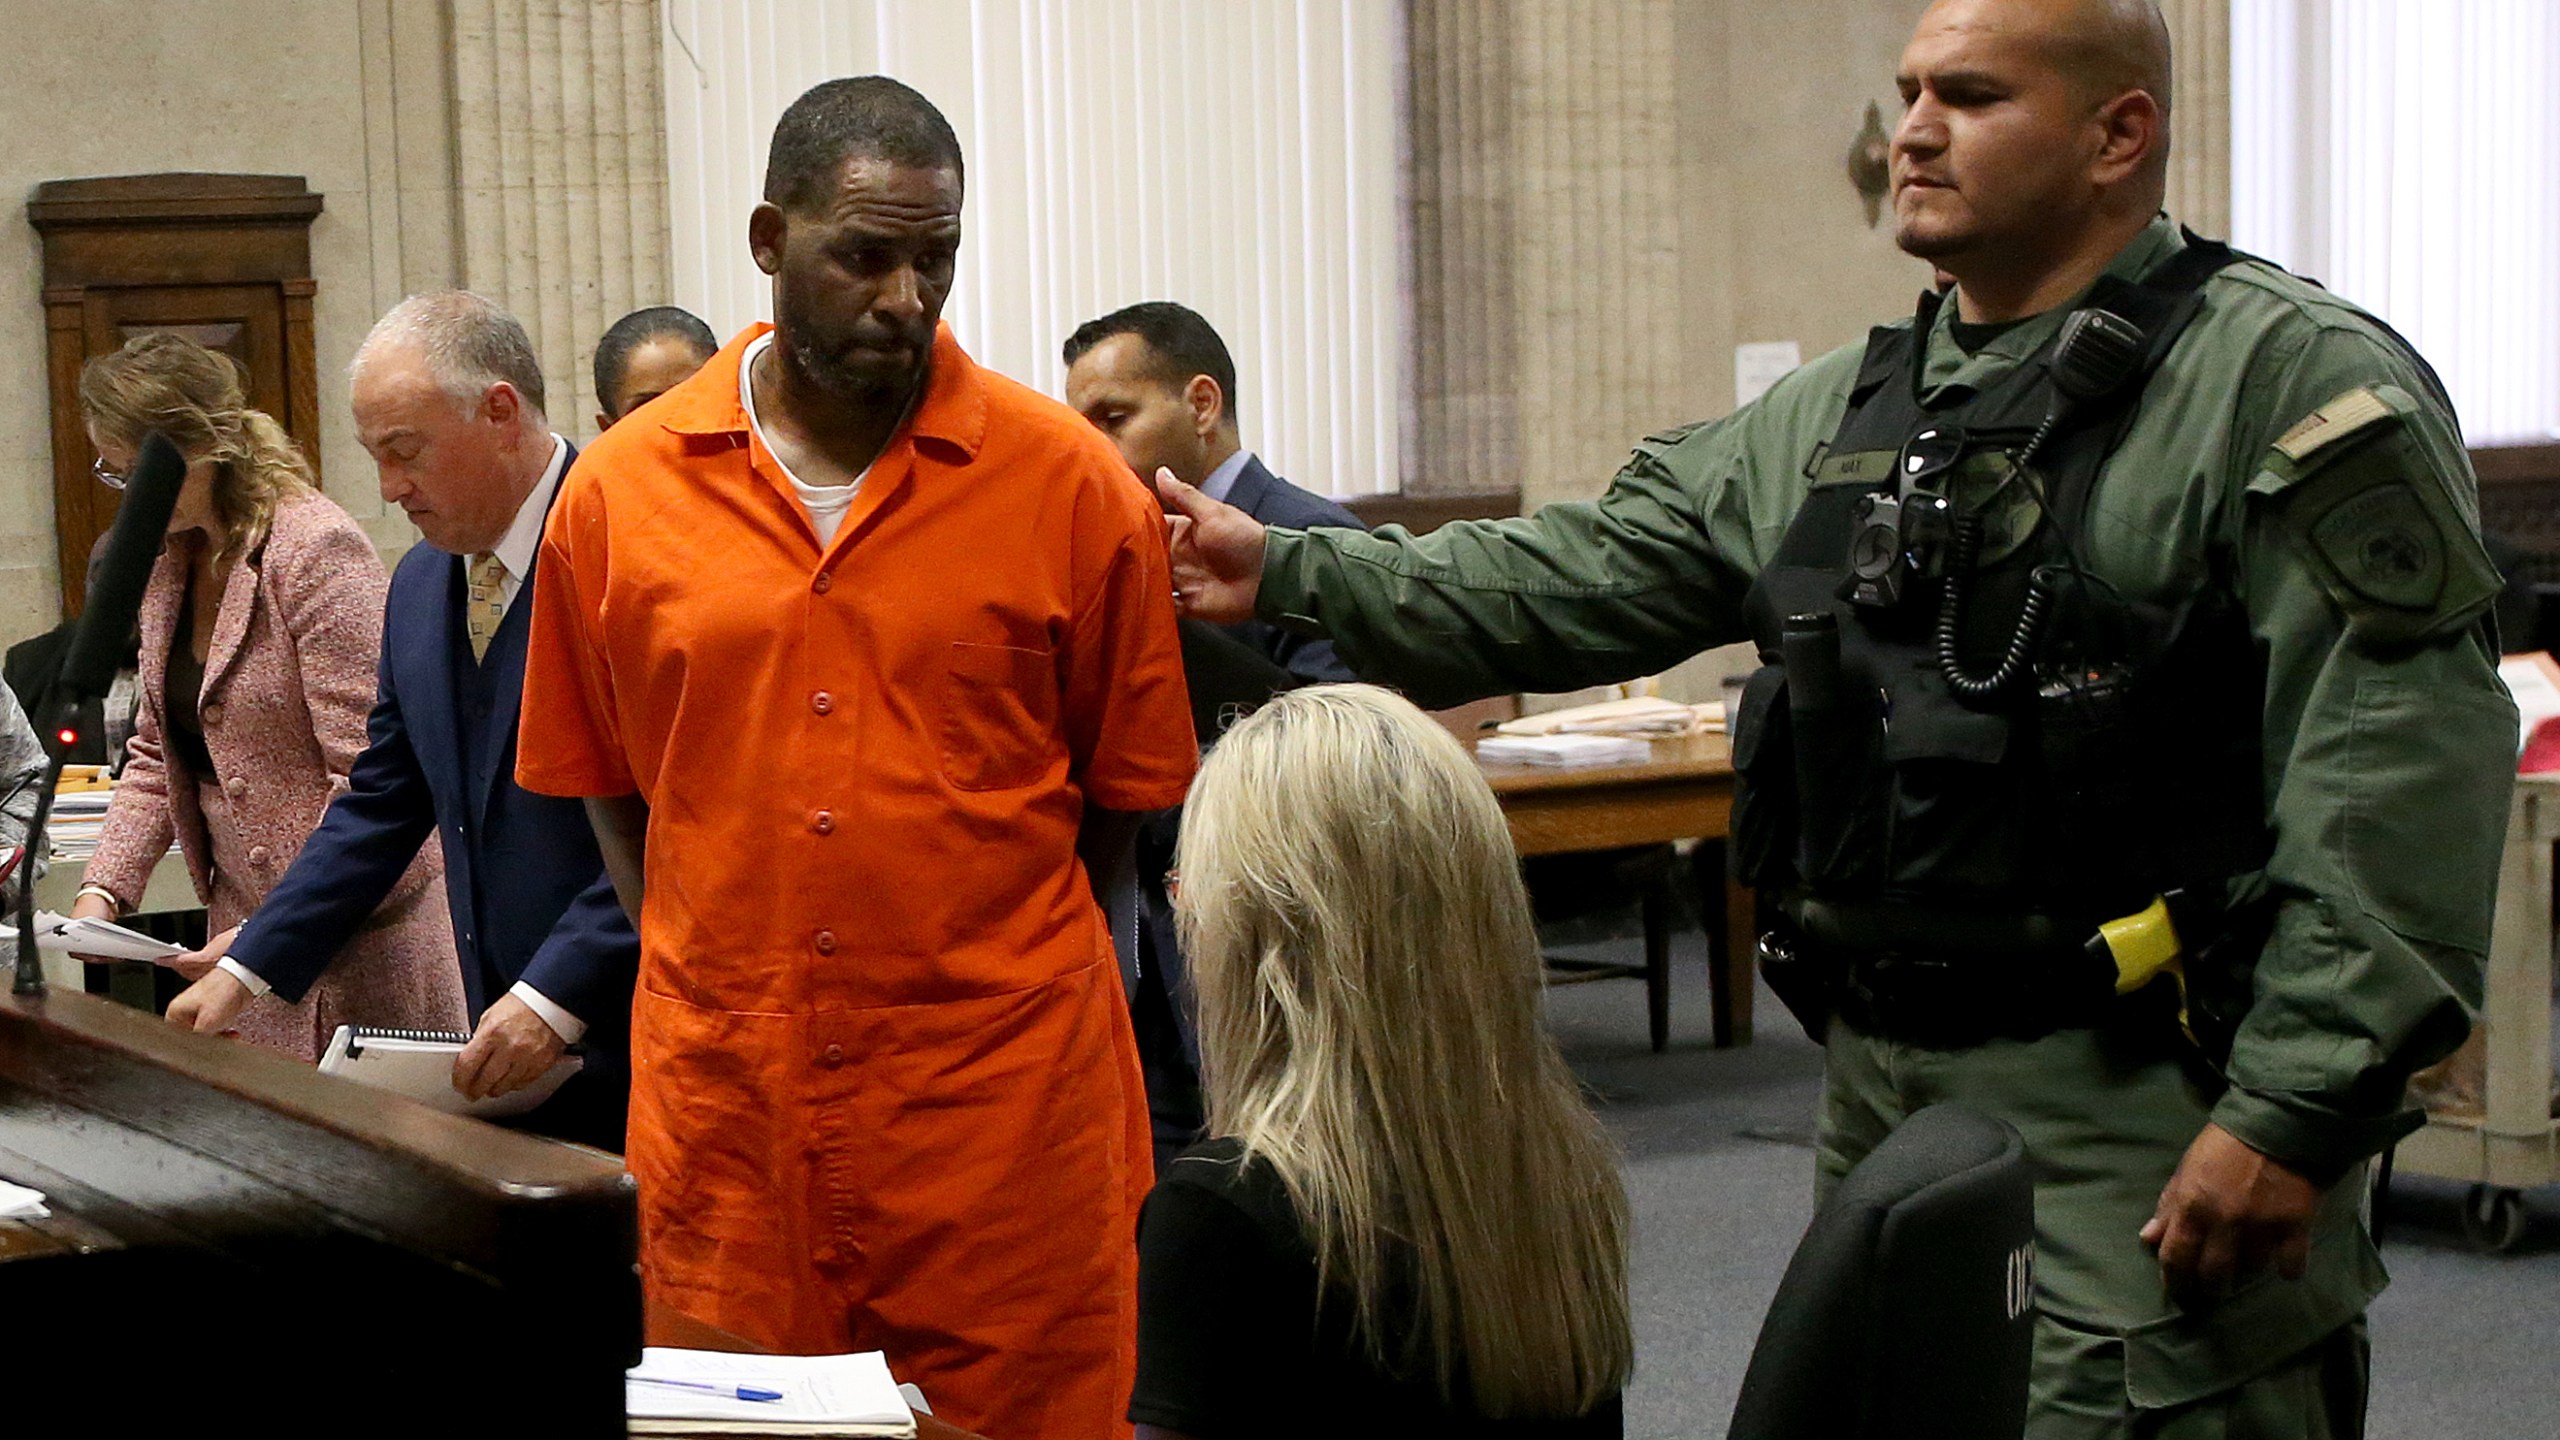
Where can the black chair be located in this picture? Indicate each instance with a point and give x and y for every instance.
(1907, 1310)
(1569, 886)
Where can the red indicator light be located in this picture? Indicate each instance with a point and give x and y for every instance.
(67, 736)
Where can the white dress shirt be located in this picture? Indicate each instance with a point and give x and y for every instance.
(1218, 482)
(515, 552)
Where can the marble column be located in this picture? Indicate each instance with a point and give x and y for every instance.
(1461, 430)
(1597, 238)
(1543, 190)
(2200, 114)
(559, 173)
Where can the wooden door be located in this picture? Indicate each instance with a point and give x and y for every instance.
(224, 260)
(245, 322)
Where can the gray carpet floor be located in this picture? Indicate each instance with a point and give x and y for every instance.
(2465, 1345)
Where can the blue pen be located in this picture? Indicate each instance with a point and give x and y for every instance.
(739, 1392)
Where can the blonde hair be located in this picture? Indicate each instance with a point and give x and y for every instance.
(1368, 989)
(168, 383)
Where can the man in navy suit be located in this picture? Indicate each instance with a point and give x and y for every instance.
(448, 401)
(1159, 381)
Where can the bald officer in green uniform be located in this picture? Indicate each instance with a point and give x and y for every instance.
(2123, 619)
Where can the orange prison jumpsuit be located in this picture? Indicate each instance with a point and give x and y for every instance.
(884, 1093)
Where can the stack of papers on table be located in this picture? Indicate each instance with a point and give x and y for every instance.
(80, 813)
(1563, 751)
(821, 1395)
(79, 818)
(1649, 716)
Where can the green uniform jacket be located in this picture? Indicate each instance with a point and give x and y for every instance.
(2347, 524)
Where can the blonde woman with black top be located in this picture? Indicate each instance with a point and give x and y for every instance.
(1405, 1220)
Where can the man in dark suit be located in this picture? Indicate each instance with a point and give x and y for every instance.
(1159, 381)
(448, 400)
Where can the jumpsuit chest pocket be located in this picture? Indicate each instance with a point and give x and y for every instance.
(999, 716)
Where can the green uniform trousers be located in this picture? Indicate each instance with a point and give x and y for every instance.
(2106, 1115)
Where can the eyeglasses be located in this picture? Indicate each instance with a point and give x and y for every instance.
(109, 478)
(1931, 453)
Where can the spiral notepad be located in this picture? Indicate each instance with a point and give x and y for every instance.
(418, 1064)
(359, 1036)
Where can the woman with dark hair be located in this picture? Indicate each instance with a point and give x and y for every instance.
(644, 355)
(261, 630)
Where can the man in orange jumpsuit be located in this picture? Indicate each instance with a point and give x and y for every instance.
(866, 650)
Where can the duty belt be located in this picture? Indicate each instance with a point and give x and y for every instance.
(1950, 980)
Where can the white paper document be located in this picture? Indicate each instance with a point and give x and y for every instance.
(419, 1065)
(17, 1202)
(99, 939)
(1759, 364)
(821, 1395)
(1648, 716)
(1563, 751)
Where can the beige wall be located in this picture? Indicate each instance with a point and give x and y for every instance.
(1628, 197)
(2200, 161)
(132, 86)
(1769, 217)
(542, 183)
(559, 175)
(1774, 236)
(1608, 200)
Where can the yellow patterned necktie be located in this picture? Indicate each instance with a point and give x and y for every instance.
(484, 607)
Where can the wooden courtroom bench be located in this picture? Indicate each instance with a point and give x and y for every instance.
(238, 1239)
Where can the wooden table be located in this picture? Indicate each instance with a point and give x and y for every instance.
(1684, 792)
(675, 1328)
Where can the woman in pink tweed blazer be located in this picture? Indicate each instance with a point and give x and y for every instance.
(274, 595)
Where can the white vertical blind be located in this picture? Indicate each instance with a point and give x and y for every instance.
(1238, 157)
(2407, 154)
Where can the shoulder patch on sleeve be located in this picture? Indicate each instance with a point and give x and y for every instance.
(2381, 524)
(2385, 547)
(2336, 420)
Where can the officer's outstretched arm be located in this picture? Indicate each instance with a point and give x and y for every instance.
(1652, 572)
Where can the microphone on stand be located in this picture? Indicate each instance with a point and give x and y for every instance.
(96, 652)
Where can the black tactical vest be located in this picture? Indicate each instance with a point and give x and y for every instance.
(2119, 762)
